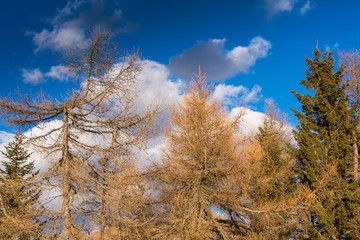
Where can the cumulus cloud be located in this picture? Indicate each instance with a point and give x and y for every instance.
(232, 95)
(58, 39)
(36, 76)
(219, 63)
(157, 86)
(59, 73)
(69, 25)
(250, 121)
(32, 76)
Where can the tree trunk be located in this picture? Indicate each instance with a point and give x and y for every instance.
(66, 177)
(356, 157)
(102, 214)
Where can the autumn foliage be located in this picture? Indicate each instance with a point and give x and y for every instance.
(212, 181)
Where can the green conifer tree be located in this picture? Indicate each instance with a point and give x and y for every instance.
(324, 153)
(278, 187)
(20, 206)
(274, 138)
(16, 165)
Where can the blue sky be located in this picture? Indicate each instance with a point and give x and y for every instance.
(252, 49)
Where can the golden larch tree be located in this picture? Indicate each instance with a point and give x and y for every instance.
(201, 152)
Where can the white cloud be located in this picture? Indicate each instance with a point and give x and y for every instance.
(252, 96)
(41, 159)
(274, 7)
(34, 76)
(156, 85)
(229, 94)
(60, 38)
(58, 72)
(70, 23)
(218, 63)
(226, 93)
(152, 154)
(250, 121)
(40, 162)
(305, 8)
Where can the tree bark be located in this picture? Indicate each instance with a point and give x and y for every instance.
(102, 214)
(356, 157)
(66, 177)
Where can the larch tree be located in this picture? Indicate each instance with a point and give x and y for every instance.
(201, 152)
(117, 198)
(324, 155)
(20, 208)
(101, 116)
(351, 63)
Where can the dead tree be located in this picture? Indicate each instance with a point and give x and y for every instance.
(101, 116)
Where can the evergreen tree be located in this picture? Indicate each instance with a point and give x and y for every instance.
(271, 192)
(274, 138)
(16, 165)
(20, 206)
(324, 154)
